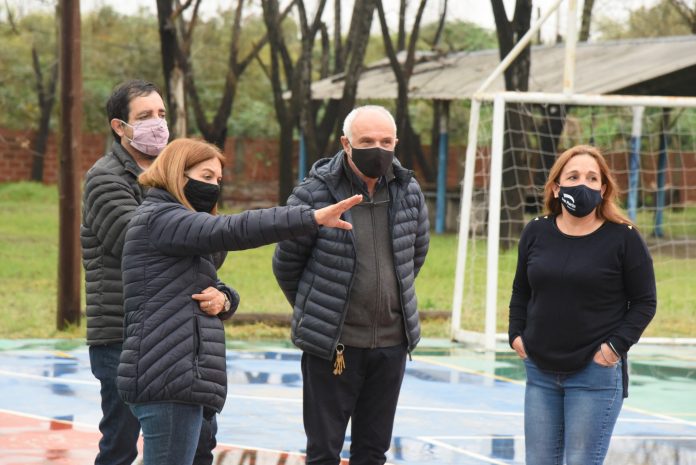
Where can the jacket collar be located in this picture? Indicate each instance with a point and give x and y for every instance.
(125, 158)
(333, 172)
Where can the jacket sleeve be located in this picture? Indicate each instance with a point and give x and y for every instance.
(109, 205)
(178, 231)
(232, 296)
(291, 256)
(422, 236)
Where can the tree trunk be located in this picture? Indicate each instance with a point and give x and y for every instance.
(46, 96)
(517, 79)
(586, 20)
(173, 73)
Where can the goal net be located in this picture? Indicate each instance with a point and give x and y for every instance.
(514, 138)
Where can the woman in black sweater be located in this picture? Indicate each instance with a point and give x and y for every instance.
(584, 292)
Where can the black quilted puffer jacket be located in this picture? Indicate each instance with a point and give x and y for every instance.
(111, 195)
(172, 351)
(316, 272)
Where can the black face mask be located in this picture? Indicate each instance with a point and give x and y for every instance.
(201, 195)
(579, 200)
(373, 162)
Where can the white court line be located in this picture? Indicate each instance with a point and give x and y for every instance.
(662, 419)
(444, 445)
(487, 437)
(42, 418)
(451, 366)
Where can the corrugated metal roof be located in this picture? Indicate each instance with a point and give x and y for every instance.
(601, 68)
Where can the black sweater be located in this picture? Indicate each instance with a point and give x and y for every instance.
(572, 293)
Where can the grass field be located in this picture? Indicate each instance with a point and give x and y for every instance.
(28, 275)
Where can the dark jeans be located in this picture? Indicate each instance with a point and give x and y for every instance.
(366, 393)
(119, 427)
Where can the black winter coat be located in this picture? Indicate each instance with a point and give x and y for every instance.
(172, 351)
(316, 272)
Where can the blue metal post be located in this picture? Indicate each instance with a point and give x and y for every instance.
(661, 177)
(302, 161)
(634, 163)
(441, 206)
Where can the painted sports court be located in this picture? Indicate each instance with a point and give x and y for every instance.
(458, 406)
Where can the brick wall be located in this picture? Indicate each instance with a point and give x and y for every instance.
(251, 171)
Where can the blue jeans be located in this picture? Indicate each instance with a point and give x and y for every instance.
(573, 414)
(170, 431)
(118, 426)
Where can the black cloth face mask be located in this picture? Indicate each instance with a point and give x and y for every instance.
(373, 162)
(201, 195)
(579, 200)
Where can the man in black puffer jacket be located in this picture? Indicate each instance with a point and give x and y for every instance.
(136, 112)
(354, 304)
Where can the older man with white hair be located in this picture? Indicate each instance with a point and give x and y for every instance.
(355, 313)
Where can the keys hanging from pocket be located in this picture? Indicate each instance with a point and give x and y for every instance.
(339, 363)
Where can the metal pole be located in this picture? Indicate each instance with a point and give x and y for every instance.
(441, 207)
(494, 196)
(661, 175)
(571, 42)
(634, 162)
(517, 49)
(69, 173)
(592, 99)
(464, 216)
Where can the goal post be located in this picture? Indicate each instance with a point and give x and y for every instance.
(655, 169)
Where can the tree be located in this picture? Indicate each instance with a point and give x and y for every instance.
(297, 77)
(177, 36)
(586, 20)
(686, 12)
(45, 87)
(317, 120)
(516, 79)
(410, 146)
(660, 20)
(349, 57)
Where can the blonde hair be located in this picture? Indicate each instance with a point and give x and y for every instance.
(169, 169)
(608, 209)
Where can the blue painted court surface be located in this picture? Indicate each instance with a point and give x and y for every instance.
(458, 406)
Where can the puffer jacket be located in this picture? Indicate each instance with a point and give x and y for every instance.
(172, 350)
(111, 195)
(316, 272)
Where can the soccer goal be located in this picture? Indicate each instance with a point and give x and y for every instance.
(650, 144)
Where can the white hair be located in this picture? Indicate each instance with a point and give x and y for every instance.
(348, 122)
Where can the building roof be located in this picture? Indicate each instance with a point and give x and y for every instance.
(601, 68)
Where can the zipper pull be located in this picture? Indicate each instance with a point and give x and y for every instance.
(340, 362)
(195, 365)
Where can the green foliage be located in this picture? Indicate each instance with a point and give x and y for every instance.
(116, 48)
(458, 36)
(18, 98)
(659, 20)
(29, 254)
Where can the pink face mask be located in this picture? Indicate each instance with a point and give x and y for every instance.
(150, 136)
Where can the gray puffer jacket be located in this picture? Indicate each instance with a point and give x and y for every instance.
(111, 195)
(316, 272)
(173, 351)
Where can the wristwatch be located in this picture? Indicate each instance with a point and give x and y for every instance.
(227, 305)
